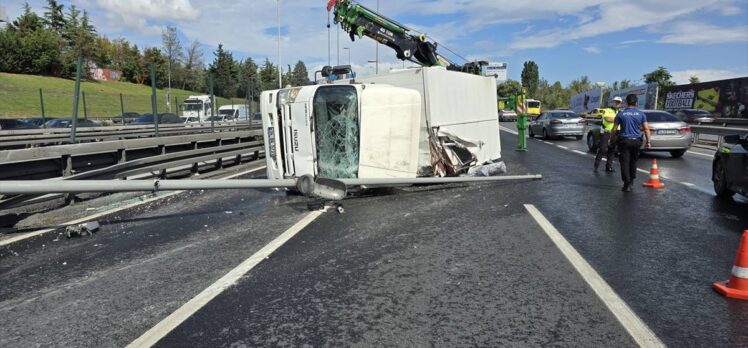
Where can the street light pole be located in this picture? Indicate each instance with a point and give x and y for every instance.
(280, 63)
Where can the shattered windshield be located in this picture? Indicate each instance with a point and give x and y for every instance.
(337, 131)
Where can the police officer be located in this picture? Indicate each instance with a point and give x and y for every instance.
(627, 134)
(605, 147)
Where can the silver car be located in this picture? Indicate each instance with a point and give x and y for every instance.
(669, 133)
(558, 123)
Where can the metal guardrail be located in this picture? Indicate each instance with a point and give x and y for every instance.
(41, 137)
(126, 158)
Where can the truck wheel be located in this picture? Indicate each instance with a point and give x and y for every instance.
(719, 178)
(677, 153)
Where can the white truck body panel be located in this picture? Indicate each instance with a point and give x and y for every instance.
(457, 103)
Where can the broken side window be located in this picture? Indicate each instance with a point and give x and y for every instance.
(337, 131)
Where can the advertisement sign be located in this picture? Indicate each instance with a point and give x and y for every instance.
(583, 103)
(647, 95)
(725, 98)
(497, 70)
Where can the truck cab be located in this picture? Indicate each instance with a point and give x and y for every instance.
(197, 106)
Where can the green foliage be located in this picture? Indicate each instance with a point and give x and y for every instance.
(224, 72)
(661, 76)
(531, 78)
(509, 88)
(300, 75)
(268, 76)
(694, 80)
(553, 96)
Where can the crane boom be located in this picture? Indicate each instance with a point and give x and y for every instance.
(358, 20)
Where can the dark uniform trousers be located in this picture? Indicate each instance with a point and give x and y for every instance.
(605, 149)
(629, 149)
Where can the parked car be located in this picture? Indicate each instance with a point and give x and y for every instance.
(14, 124)
(190, 119)
(165, 118)
(37, 121)
(730, 167)
(507, 116)
(669, 134)
(220, 118)
(695, 116)
(68, 123)
(128, 116)
(256, 120)
(558, 123)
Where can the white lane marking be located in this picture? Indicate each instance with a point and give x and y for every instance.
(548, 142)
(25, 236)
(642, 171)
(628, 319)
(562, 147)
(700, 154)
(580, 152)
(688, 184)
(156, 333)
(508, 130)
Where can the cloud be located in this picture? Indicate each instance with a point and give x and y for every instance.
(592, 49)
(631, 42)
(151, 9)
(705, 75)
(704, 34)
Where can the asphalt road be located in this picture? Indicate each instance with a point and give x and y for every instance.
(455, 265)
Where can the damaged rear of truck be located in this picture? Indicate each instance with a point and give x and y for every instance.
(424, 122)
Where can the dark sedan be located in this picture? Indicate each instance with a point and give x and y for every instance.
(37, 121)
(13, 124)
(68, 123)
(730, 167)
(147, 119)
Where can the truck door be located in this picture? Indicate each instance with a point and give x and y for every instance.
(300, 138)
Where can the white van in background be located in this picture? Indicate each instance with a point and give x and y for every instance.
(233, 112)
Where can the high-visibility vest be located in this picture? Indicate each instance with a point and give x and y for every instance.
(608, 112)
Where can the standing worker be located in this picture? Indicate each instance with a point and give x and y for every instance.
(627, 134)
(605, 147)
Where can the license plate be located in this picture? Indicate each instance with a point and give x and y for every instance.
(667, 132)
(271, 141)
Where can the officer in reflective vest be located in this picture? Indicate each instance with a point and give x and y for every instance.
(605, 148)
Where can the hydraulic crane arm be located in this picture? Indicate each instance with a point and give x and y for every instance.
(360, 21)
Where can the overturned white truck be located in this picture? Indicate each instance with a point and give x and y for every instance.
(424, 122)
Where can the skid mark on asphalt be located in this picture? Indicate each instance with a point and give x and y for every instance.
(641, 333)
(156, 333)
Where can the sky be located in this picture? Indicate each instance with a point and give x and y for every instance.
(606, 40)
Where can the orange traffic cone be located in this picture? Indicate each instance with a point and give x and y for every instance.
(654, 177)
(737, 286)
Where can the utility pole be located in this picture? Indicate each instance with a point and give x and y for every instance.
(280, 63)
(376, 67)
(349, 54)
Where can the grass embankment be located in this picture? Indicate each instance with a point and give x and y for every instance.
(19, 97)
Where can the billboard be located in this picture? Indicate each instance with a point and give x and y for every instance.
(497, 70)
(725, 98)
(583, 103)
(647, 95)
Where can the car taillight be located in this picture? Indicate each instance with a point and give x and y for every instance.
(556, 122)
(685, 129)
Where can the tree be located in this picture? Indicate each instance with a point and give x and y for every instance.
(248, 77)
(694, 80)
(661, 76)
(530, 77)
(583, 84)
(28, 22)
(509, 88)
(300, 75)
(172, 50)
(53, 17)
(153, 56)
(194, 68)
(223, 70)
(268, 76)
(625, 84)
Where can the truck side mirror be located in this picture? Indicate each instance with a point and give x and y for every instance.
(326, 71)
